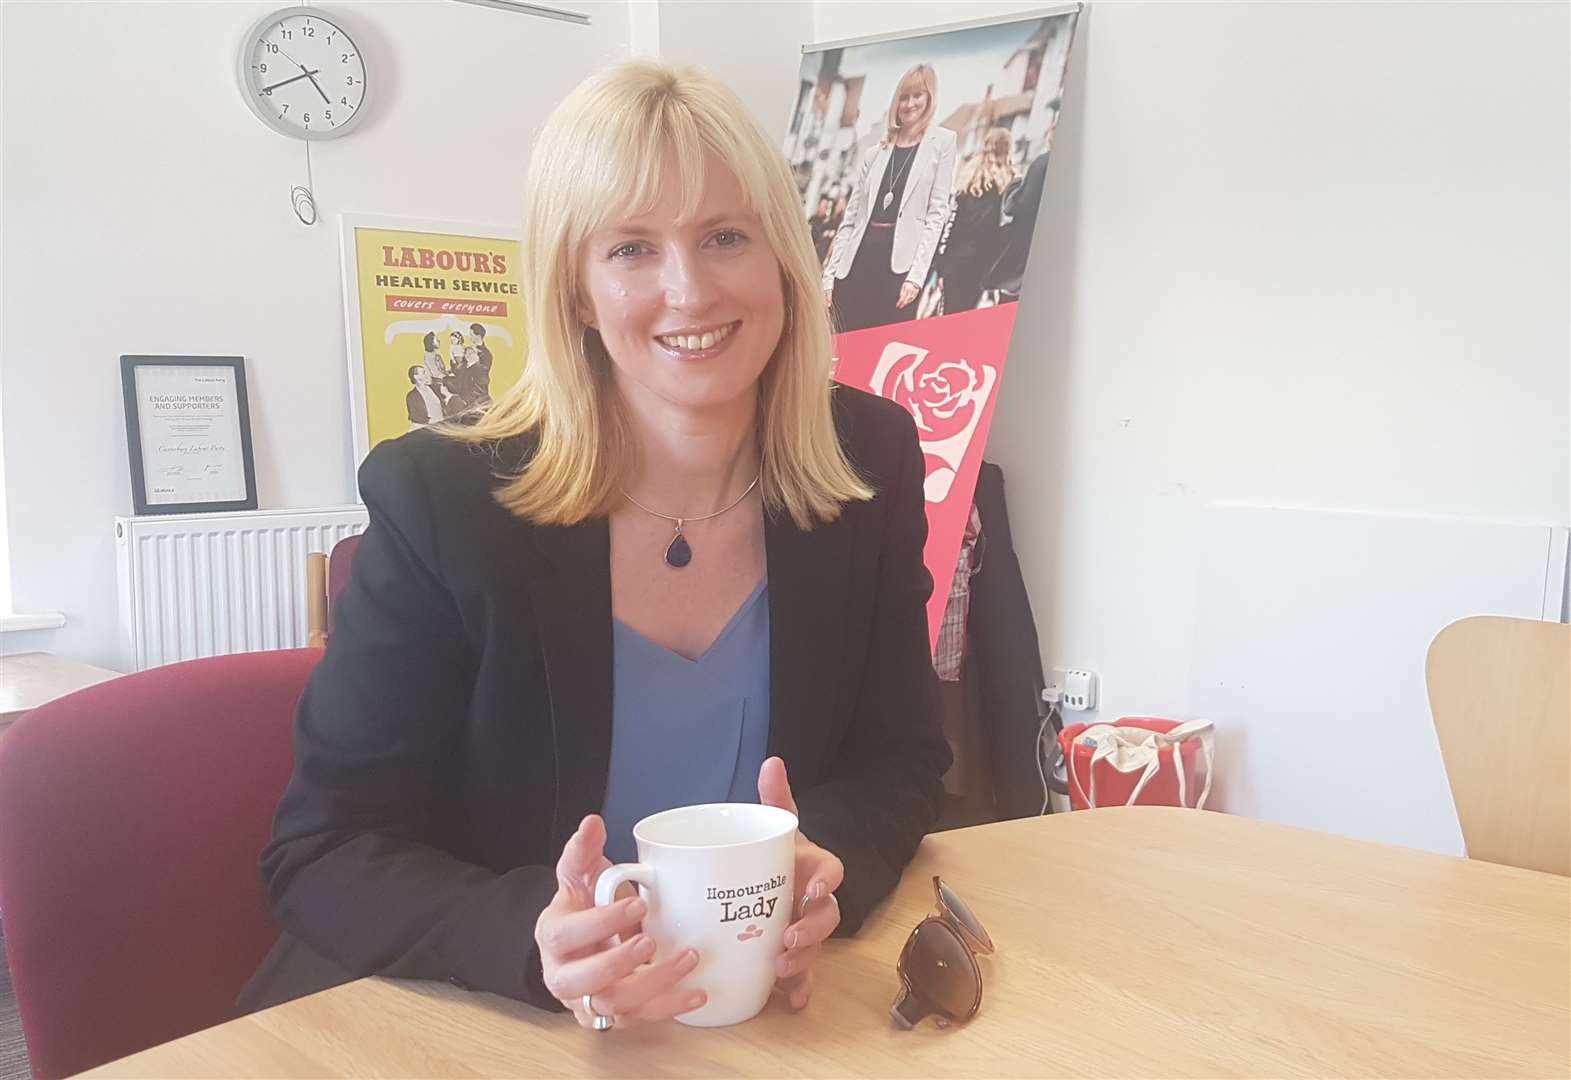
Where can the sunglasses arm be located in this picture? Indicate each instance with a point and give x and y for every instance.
(907, 1010)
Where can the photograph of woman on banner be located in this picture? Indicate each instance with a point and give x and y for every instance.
(896, 213)
(977, 234)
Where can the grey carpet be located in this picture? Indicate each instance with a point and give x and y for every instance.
(13, 1051)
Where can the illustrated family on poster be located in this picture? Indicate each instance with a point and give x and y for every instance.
(448, 388)
(435, 327)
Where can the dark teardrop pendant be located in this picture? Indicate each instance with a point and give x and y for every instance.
(679, 554)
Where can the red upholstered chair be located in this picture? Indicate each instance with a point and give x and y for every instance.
(131, 817)
(338, 564)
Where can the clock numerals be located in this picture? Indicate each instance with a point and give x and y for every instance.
(284, 73)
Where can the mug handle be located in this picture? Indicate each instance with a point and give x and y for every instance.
(612, 878)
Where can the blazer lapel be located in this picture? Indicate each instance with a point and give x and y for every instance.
(809, 580)
(572, 595)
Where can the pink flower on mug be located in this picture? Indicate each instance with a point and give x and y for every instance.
(751, 932)
(946, 398)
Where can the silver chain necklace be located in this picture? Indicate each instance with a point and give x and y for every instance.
(679, 552)
(889, 196)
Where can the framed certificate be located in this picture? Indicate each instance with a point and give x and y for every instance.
(188, 430)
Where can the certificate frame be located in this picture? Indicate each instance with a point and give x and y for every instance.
(137, 419)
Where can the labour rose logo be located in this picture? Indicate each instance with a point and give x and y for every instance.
(946, 398)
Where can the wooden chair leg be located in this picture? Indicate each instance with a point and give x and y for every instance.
(316, 599)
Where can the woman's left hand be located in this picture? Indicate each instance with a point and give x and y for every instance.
(818, 875)
(908, 293)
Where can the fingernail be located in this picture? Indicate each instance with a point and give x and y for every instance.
(645, 946)
(697, 999)
(791, 938)
(689, 960)
(818, 890)
(636, 908)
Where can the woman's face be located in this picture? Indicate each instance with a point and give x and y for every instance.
(690, 309)
(912, 107)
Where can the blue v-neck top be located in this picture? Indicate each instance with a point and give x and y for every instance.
(686, 731)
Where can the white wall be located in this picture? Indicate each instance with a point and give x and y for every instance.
(146, 210)
(754, 47)
(1294, 255)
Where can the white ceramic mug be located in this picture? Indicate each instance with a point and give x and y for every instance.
(717, 878)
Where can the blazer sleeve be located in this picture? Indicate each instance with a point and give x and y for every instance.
(351, 869)
(884, 790)
(856, 206)
(938, 209)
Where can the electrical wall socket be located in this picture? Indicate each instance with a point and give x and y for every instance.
(1072, 689)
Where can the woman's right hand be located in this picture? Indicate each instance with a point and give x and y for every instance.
(577, 956)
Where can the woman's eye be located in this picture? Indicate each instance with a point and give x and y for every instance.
(625, 251)
(728, 238)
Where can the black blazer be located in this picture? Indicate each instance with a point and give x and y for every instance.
(458, 727)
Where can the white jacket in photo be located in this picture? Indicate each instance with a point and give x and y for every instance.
(924, 208)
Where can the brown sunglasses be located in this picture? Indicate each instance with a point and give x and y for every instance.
(939, 975)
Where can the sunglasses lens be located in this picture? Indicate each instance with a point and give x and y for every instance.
(940, 971)
(962, 914)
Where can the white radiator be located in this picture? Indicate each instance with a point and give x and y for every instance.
(207, 584)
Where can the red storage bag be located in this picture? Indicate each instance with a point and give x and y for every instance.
(1130, 762)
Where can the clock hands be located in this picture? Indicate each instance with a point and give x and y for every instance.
(312, 76)
(308, 75)
(286, 82)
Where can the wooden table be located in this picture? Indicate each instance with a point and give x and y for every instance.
(28, 680)
(1139, 942)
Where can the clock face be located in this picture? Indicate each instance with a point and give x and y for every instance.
(302, 75)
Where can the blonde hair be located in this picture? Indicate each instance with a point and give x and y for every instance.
(990, 166)
(917, 77)
(601, 152)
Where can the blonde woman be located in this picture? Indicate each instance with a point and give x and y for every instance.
(977, 236)
(669, 566)
(896, 214)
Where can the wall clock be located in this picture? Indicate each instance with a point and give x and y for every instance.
(303, 75)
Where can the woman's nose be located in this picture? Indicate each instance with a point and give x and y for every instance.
(689, 284)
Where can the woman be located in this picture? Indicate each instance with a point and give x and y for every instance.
(667, 499)
(976, 238)
(433, 362)
(455, 352)
(884, 246)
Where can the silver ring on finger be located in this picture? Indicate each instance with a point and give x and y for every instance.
(598, 1021)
